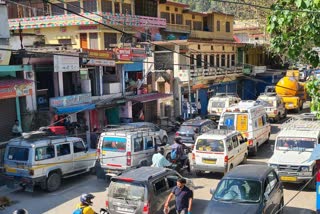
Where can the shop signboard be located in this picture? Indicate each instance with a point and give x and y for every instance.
(123, 54)
(15, 88)
(5, 57)
(71, 100)
(64, 63)
(101, 62)
(99, 54)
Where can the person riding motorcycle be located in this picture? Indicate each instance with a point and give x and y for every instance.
(158, 159)
(181, 156)
(86, 203)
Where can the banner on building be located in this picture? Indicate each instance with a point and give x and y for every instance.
(15, 88)
(70, 100)
(64, 63)
(101, 62)
(123, 54)
(99, 54)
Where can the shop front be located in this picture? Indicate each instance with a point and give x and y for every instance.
(73, 112)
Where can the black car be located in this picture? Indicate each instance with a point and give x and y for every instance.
(191, 129)
(254, 189)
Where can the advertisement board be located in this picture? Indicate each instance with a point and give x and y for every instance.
(64, 63)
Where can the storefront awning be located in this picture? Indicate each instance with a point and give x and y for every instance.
(73, 109)
(143, 98)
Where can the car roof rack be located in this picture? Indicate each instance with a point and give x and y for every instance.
(142, 131)
(303, 122)
(220, 131)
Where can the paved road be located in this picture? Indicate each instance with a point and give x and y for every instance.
(64, 200)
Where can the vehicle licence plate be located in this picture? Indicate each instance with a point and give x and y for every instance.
(11, 170)
(288, 178)
(124, 209)
(208, 161)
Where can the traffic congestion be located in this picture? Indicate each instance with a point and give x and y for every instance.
(141, 168)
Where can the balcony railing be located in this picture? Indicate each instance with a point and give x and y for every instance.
(178, 28)
(74, 20)
(197, 34)
(216, 71)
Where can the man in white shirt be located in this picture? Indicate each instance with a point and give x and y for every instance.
(158, 159)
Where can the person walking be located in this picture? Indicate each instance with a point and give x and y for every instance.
(199, 107)
(185, 110)
(183, 196)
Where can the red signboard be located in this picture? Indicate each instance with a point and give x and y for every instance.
(123, 54)
(15, 88)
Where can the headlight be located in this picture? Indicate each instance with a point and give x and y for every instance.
(275, 166)
(304, 169)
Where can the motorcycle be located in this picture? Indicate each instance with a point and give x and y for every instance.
(104, 211)
(181, 165)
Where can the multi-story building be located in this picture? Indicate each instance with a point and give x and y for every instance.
(199, 49)
(107, 60)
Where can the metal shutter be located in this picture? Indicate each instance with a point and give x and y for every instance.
(8, 116)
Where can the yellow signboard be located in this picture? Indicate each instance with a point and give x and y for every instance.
(242, 122)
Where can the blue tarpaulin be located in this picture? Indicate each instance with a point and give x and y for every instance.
(136, 66)
(73, 109)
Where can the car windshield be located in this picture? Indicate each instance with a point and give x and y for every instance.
(188, 129)
(126, 191)
(238, 190)
(18, 153)
(115, 144)
(210, 145)
(267, 102)
(296, 144)
(216, 104)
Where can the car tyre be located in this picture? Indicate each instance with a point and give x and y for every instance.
(198, 173)
(312, 184)
(281, 206)
(255, 150)
(53, 181)
(285, 114)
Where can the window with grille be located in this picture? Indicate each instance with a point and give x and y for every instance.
(218, 25)
(227, 26)
(165, 16)
(205, 61)
(93, 39)
(38, 9)
(199, 61)
(191, 61)
(116, 7)
(146, 8)
(179, 19)
(109, 38)
(197, 25)
(188, 22)
(211, 60)
(73, 6)
(89, 5)
(64, 41)
(106, 6)
(223, 60)
(218, 61)
(233, 60)
(228, 60)
(173, 21)
(126, 8)
(55, 10)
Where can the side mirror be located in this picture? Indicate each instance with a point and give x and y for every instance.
(266, 197)
(272, 147)
(212, 191)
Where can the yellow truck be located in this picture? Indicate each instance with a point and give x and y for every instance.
(292, 91)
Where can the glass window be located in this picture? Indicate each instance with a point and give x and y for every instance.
(223, 60)
(199, 61)
(18, 153)
(137, 144)
(63, 149)
(127, 191)
(78, 147)
(205, 61)
(93, 40)
(218, 61)
(211, 60)
(229, 144)
(233, 60)
(148, 143)
(188, 22)
(106, 6)
(56, 10)
(45, 152)
(117, 7)
(227, 26)
(210, 145)
(89, 5)
(74, 6)
(160, 186)
(146, 8)
(126, 8)
(114, 144)
(197, 25)
(165, 16)
(109, 38)
(218, 25)
(179, 19)
(172, 180)
(295, 144)
(235, 141)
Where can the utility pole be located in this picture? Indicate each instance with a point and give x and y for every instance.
(189, 89)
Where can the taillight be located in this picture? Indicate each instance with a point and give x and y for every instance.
(107, 204)
(193, 156)
(146, 208)
(128, 158)
(250, 142)
(31, 172)
(98, 152)
(226, 159)
(177, 133)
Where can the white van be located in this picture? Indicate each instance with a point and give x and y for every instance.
(293, 148)
(124, 148)
(217, 103)
(219, 151)
(39, 159)
(274, 106)
(249, 118)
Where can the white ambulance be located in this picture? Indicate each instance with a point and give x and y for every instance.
(217, 103)
(249, 118)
